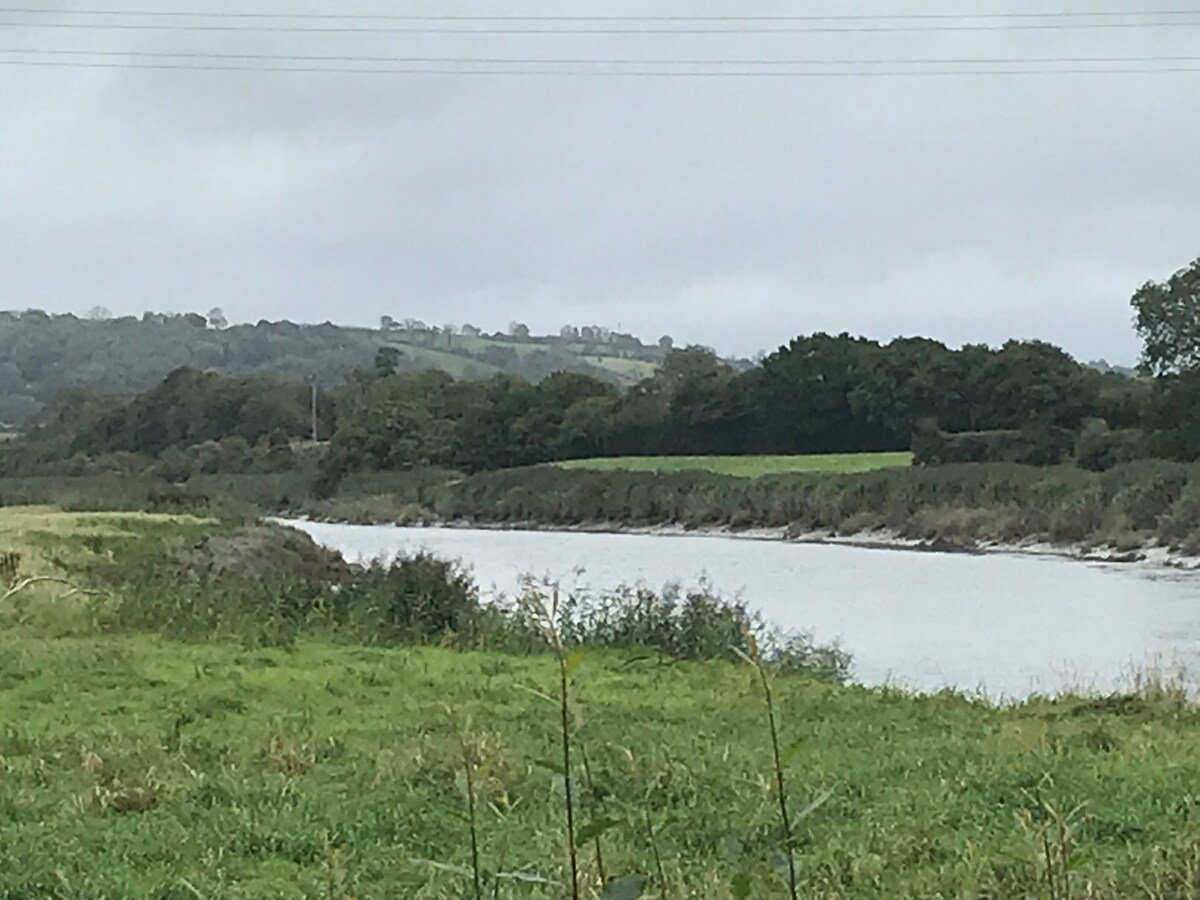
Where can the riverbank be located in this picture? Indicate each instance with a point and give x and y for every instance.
(1146, 511)
(1149, 554)
(308, 760)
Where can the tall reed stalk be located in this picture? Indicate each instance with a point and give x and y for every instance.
(548, 618)
(472, 820)
(754, 658)
(591, 786)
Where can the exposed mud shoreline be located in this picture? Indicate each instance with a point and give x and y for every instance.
(1146, 555)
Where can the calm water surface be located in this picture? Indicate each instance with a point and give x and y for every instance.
(1008, 625)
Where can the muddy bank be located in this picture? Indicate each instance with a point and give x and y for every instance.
(1149, 554)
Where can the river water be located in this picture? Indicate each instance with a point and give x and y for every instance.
(1006, 625)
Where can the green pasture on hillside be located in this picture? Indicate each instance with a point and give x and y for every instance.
(750, 466)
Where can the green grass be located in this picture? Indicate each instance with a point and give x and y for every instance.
(46, 537)
(135, 766)
(750, 466)
(630, 371)
(141, 768)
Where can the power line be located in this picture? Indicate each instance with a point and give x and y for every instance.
(463, 17)
(925, 27)
(606, 61)
(593, 73)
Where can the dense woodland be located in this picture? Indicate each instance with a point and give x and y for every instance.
(1026, 402)
(41, 355)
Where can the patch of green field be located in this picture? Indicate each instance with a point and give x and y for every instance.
(45, 597)
(750, 466)
(45, 536)
(629, 370)
(142, 768)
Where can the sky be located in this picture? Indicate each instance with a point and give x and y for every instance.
(724, 210)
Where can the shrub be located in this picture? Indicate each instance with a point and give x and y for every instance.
(686, 625)
(414, 598)
(1098, 448)
(1036, 444)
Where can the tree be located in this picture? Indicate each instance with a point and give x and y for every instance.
(216, 319)
(99, 313)
(1168, 321)
(519, 331)
(569, 333)
(666, 343)
(386, 323)
(387, 361)
(801, 398)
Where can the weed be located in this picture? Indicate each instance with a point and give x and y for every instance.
(547, 615)
(755, 660)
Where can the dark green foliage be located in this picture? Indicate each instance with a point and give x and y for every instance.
(192, 407)
(1168, 320)
(820, 394)
(42, 355)
(1024, 402)
(192, 423)
(825, 394)
(1098, 448)
(429, 420)
(1174, 416)
(1034, 445)
(415, 598)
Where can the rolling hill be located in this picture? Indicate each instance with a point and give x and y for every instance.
(43, 354)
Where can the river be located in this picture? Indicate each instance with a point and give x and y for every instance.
(1006, 625)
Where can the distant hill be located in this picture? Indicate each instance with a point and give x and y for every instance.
(42, 354)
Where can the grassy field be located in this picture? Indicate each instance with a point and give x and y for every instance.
(42, 535)
(631, 371)
(136, 766)
(750, 466)
(47, 543)
(141, 768)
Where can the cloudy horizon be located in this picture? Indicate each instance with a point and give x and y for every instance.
(729, 211)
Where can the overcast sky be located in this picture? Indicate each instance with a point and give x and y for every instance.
(734, 212)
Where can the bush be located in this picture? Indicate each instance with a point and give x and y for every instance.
(1098, 448)
(409, 599)
(1036, 444)
(687, 625)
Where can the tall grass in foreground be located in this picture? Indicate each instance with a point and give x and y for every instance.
(547, 617)
(755, 660)
(657, 812)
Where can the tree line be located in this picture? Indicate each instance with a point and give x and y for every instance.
(42, 355)
(1027, 401)
(819, 394)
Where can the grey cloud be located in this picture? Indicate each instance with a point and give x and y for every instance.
(729, 212)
